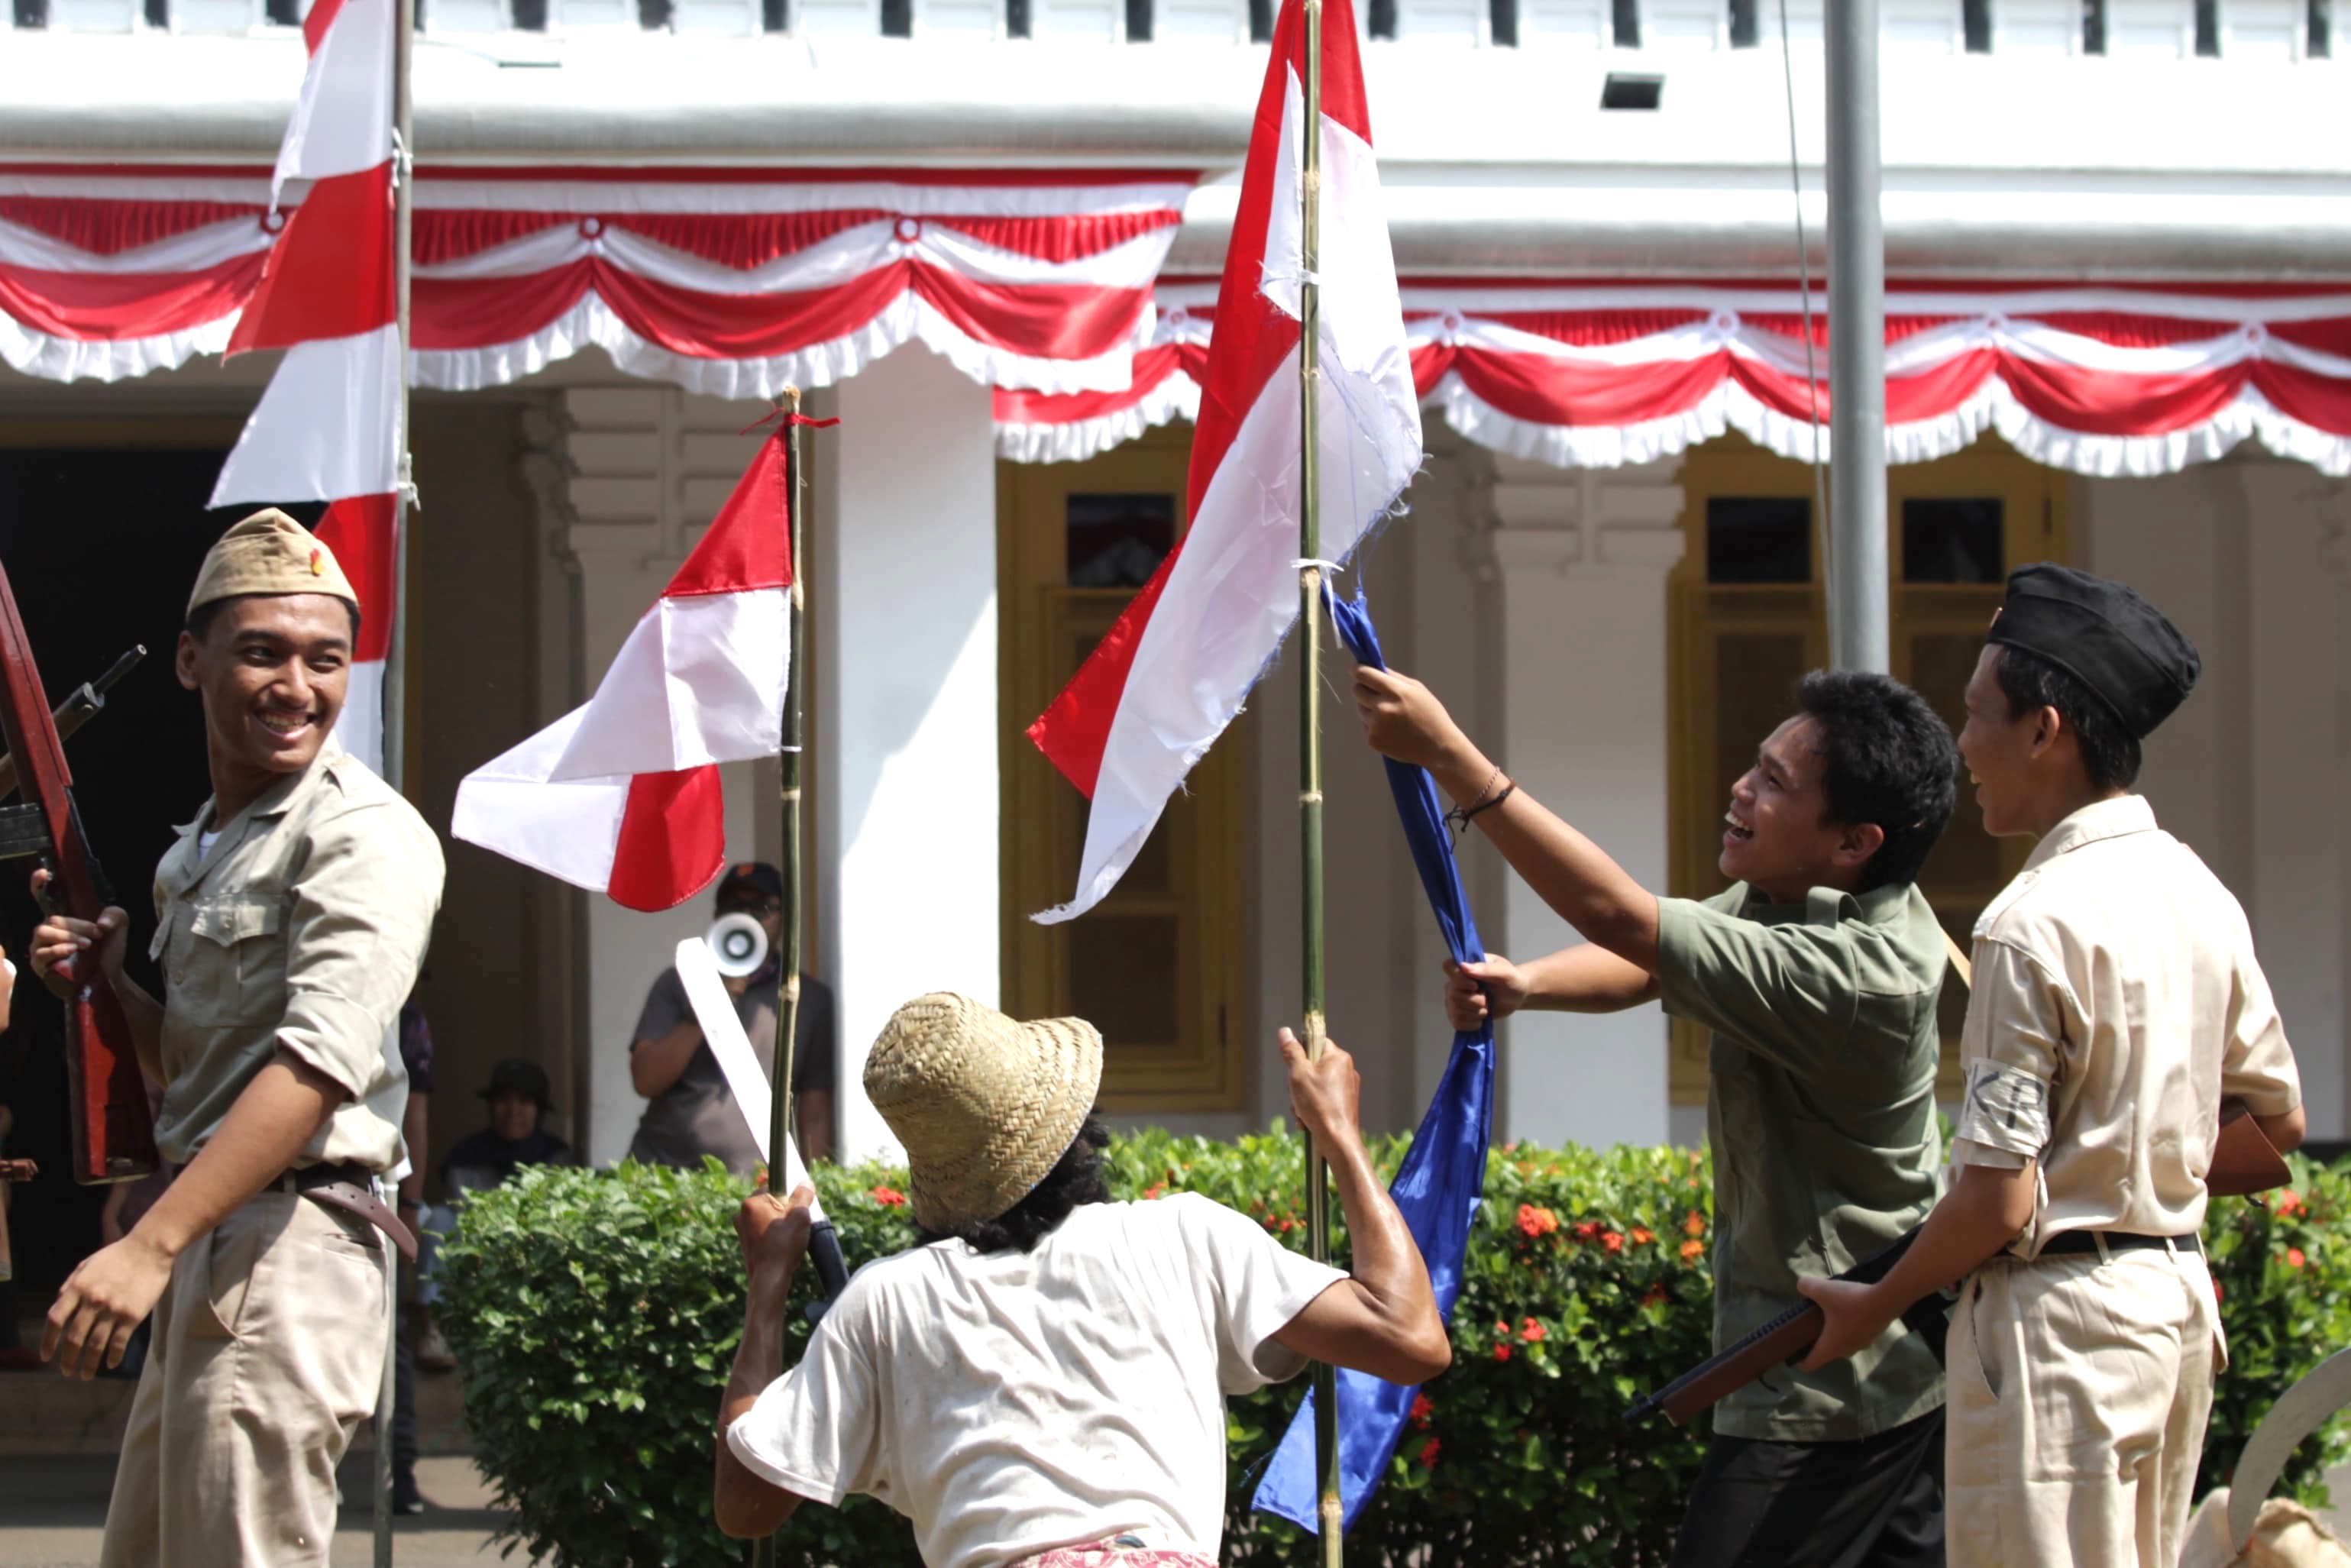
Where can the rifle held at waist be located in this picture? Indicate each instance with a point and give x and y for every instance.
(2243, 1163)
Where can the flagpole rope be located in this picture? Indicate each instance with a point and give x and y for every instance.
(1330, 1519)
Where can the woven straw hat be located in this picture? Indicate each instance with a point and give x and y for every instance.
(985, 1105)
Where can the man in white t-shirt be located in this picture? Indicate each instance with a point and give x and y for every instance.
(1043, 1382)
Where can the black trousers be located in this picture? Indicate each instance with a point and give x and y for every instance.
(1875, 1504)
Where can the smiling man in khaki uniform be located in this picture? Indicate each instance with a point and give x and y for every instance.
(2116, 1003)
(292, 918)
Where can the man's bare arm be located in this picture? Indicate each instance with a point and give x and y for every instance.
(61, 937)
(774, 1237)
(1982, 1214)
(1383, 1319)
(2284, 1132)
(265, 1131)
(655, 1064)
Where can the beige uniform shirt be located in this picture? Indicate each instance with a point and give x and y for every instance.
(2116, 1002)
(301, 929)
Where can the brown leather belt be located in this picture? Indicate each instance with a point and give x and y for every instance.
(350, 1188)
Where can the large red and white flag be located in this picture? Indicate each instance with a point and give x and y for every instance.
(622, 795)
(1174, 671)
(327, 428)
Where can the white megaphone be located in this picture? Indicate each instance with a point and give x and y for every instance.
(739, 944)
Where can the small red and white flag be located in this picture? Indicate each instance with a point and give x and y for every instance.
(622, 795)
(1174, 671)
(327, 427)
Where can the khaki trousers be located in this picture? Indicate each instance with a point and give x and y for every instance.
(2079, 1389)
(267, 1354)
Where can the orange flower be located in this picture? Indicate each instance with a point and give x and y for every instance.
(1641, 1238)
(1423, 1407)
(1612, 1242)
(1428, 1454)
(888, 1196)
(2293, 1258)
(1534, 1332)
(1503, 1328)
(1156, 1189)
(1693, 1251)
(2288, 1202)
(1695, 1225)
(1502, 1352)
(1534, 1222)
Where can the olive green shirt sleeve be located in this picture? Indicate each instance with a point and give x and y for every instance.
(360, 912)
(1786, 990)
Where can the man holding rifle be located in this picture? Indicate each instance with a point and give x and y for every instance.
(1818, 970)
(2117, 1004)
(292, 917)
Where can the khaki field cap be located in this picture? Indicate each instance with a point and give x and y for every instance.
(985, 1105)
(268, 552)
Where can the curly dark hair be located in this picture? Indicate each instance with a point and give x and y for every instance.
(2109, 753)
(1077, 1177)
(1891, 761)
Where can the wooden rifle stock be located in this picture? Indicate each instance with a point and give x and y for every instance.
(113, 1136)
(2244, 1162)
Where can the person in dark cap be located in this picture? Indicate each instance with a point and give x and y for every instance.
(2116, 1003)
(691, 1111)
(518, 1098)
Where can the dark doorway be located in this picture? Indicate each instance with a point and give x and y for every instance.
(101, 545)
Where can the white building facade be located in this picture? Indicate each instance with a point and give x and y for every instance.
(2123, 280)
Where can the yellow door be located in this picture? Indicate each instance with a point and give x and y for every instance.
(1157, 964)
(1749, 618)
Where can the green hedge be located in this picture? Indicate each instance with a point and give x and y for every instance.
(596, 1312)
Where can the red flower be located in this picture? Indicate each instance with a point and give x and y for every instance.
(1534, 1222)
(1428, 1454)
(1533, 1333)
(2218, 1294)
(2288, 1202)
(2293, 1258)
(1156, 1189)
(1655, 1298)
(1695, 1225)
(1693, 1251)
(889, 1197)
(1503, 1328)
(1423, 1407)
(1587, 1230)
(1641, 1238)
(1612, 1242)
(1502, 1352)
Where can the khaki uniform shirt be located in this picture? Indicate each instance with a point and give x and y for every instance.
(2116, 1002)
(301, 930)
(1821, 1110)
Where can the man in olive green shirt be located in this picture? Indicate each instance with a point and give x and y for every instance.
(1818, 970)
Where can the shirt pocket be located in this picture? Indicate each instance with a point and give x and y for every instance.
(230, 967)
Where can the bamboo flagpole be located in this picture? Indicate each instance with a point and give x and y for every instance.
(395, 663)
(788, 944)
(1330, 1519)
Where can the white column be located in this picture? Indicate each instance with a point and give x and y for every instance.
(1583, 559)
(648, 471)
(902, 580)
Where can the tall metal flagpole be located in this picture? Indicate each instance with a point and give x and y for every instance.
(395, 664)
(787, 948)
(1329, 1515)
(1858, 630)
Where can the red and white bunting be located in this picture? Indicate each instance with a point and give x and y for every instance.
(622, 795)
(1174, 670)
(726, 281)
(2104, 380)
(327, 427)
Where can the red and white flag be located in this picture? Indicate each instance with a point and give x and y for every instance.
(622, 795)
(328, 426)
(1174, 671)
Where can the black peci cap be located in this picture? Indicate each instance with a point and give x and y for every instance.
(525, 1078)
(2105, 635)
(748, 882)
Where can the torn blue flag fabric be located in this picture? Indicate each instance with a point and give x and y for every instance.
(1444, 1174)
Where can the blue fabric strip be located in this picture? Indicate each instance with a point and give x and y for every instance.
(1444, 1174)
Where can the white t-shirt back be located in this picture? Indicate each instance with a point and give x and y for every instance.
(1009, 1404)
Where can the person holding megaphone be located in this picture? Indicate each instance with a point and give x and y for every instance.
(689, 1111)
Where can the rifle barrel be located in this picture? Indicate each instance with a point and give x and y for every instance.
(79, 707)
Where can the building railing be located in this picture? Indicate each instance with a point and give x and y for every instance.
(2230, 29)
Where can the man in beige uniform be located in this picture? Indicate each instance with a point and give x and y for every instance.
(292, 917)
(2116, 1003)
